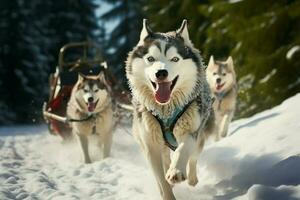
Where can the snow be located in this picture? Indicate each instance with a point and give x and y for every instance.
(292, 51)
(234, 1)
(268, 76)
(260, 159)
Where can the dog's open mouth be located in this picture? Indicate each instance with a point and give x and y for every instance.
(219, 86)
(163, 90)
(92, 105)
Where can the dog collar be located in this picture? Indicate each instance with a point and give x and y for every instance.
(220, 95)
(167, 125)
(90, 116)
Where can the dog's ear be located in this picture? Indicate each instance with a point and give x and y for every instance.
(101, 77)
(146, 31)
(229, 62)
(81, 77)
(211, 62)
(184, 33)
(104, 65)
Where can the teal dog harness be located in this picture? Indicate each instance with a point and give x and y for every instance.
(167, 125)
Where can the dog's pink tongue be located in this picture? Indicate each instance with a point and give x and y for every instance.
(163, 92)
(219, 86)
(91, 107)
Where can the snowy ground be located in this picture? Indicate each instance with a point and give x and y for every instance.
(259, 160)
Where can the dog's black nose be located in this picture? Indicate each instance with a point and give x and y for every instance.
(90, 99)
(218, 80)
(161, 74)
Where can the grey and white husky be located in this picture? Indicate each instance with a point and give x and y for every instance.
(222, 80)
(90, 104)
(172, 104)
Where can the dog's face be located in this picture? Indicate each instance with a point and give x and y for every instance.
(91, 92)
(163, 64)
(220, 75)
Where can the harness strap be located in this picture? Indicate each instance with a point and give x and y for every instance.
(220, 96)
(167, 129)
(80, 120)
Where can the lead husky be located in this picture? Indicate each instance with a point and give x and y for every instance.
(90, 103)
(222, 80)
(172, 104)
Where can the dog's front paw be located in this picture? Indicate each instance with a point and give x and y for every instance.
(87, 161)
(174, 176)
(192, 180)
(223, 134)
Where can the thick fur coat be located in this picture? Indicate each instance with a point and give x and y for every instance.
(91, 97)
(221, 77)
(165, 73)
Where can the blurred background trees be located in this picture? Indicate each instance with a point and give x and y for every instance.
(31, 34)
(128, 15)
(262, 36)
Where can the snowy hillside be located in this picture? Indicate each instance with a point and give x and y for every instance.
(259, 160)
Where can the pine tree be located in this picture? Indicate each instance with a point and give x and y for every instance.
(167, 15)
(258, 34)
(32, 33)
(72, 21)
(23, 64)
(125, 35)
(6, 10)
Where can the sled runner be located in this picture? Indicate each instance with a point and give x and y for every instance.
(86, 58)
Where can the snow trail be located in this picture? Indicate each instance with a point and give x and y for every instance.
(259, 160)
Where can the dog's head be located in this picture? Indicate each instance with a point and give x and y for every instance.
(220, 74)
(91, 92)
(163, 67)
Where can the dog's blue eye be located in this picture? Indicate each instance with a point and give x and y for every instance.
(175, 59)
(150, 59)
(86, 91)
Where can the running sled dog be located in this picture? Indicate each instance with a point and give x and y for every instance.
(222, 81)
(172, 104)
(90, 104)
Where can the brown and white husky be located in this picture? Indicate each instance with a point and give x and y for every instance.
(91, 104)
(222, 81)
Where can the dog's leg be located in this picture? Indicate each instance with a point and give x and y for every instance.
(107, 145)
(192, 163)
(224, 125)
(192, 178)
(186, 148)
(154, 157)
(83, 140)
(217, 135)
(215, 130)
(100, 145)
(166, 159)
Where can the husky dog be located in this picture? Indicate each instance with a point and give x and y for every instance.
(91, 106)
(172, 104)
(222, 81)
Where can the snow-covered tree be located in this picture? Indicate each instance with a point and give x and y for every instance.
(32, 32)
(128, 15)
(72, 21)
(24, 67)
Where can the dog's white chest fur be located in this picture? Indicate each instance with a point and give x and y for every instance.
(100, 124)
(149, 128)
